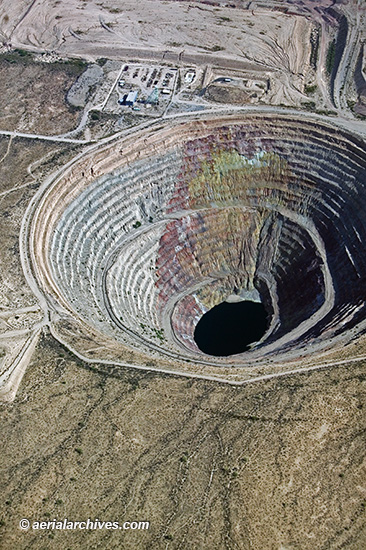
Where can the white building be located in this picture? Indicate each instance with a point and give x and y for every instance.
(131, 98)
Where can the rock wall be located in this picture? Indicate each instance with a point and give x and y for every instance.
(147, 235)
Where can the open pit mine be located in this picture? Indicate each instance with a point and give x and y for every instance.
(139, 239)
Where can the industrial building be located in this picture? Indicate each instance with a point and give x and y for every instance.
(131, 98)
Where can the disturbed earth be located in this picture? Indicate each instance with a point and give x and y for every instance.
(152, 174)
(198, 213)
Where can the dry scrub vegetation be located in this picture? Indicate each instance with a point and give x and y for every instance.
(273, 465)
(17, 187)
(268, 466)
(33, 95)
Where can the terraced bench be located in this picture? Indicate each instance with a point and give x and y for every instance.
(270, 207)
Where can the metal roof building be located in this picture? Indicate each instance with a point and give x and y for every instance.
(131, 98)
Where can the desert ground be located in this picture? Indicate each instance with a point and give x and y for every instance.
(108, 415)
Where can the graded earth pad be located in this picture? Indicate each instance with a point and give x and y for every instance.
(138, 240)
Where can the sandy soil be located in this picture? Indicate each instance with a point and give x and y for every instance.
(274, 466)
(33, 97)
(16, 188)
(269, 38)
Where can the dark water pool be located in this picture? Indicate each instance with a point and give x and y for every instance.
(228, 328)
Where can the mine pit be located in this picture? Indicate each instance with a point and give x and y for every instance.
(141, 238)
(230, 327)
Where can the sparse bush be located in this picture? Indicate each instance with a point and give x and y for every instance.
(17, 56)
(134, 383)
(184, 457)
(23, 53)
(310, 89)
(309, 105)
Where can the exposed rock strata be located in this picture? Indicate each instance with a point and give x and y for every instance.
(149, 234)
